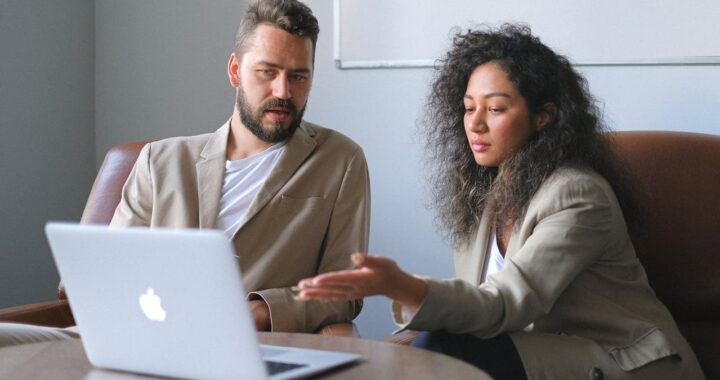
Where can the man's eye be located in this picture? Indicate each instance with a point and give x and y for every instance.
(266, 73)
(298, 77)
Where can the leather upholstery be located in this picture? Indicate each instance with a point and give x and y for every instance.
(107, 189)
(675, 178)
(54, 313)
(99, 209)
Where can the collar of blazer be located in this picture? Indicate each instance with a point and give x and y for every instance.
(210, 170)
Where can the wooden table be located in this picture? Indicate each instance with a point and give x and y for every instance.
(381, 360)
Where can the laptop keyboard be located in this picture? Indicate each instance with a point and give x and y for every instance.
(277, 367)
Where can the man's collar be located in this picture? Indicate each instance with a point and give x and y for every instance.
(217, 144)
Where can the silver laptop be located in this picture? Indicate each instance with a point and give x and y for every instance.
(169, 302)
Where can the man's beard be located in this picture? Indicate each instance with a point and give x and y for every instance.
(253, 122)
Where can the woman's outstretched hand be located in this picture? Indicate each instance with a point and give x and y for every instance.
(373, 275)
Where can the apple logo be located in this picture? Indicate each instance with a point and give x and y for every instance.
(150, 305)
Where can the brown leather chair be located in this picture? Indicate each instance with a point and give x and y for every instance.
(676, 176)
(99, 209)
(676, 180)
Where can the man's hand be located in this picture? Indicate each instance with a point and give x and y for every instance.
(261, 314)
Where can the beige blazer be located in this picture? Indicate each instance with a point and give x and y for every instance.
(311, 214)
(572, 293)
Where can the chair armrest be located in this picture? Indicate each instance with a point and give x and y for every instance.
(405, 338)
(346, 329)
(49, 313)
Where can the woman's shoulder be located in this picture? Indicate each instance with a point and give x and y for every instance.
(569, 185)
(571, 178)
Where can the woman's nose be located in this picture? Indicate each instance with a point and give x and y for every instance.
(475, 122)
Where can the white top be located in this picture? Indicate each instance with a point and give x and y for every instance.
(496, 260)
(242, 181)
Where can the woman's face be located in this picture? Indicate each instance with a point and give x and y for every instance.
(497, 121)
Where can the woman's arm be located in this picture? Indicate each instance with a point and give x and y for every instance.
(373, 276)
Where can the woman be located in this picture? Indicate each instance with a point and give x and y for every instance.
(547, 281)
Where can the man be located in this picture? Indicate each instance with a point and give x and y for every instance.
(292, 196)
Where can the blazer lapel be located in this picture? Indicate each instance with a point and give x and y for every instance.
(210, 171)
(470, 262)
(298, 148)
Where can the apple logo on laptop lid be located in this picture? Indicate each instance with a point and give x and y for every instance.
(151, 306)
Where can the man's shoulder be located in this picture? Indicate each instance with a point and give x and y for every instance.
(195, 142)
(327, 138)
(182, 141)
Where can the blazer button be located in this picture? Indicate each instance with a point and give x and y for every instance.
(596, 374)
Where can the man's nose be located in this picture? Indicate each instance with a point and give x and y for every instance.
(281, 87)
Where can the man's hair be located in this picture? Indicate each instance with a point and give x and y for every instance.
(291, 16)
(462, 188)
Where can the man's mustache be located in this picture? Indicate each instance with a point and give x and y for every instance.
(277, 102)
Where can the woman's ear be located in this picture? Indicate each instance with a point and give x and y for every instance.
(546, 116)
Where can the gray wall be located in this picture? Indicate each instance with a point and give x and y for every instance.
(378, 109)
(47, 135)
(160, 71)
(160, 68)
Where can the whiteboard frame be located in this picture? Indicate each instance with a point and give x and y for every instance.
(429, 63)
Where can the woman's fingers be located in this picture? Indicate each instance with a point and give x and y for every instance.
(372, 276)
(358, 259)
(336, 290)
(331, 293)
(371, 262)
(350, 276)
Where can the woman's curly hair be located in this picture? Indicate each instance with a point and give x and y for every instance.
(463, 189)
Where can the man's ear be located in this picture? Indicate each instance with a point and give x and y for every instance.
(546, 116)
(233, 70)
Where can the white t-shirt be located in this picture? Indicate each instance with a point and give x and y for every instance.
(495, 261)
(243, 179)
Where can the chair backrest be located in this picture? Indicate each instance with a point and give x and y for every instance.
(676, 180)
(107, 189)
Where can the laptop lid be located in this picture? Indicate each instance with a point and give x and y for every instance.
(166, 302)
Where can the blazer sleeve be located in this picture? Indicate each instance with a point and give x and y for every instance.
(136, 202)
(570, 226)
(347, 232)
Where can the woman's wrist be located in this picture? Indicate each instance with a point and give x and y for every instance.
(409, 291)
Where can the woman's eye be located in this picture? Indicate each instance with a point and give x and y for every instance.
(496, 110)
(469, 110)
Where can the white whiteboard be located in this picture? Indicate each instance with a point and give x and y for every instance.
(406, 33)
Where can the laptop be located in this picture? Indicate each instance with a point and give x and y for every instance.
(170, 303)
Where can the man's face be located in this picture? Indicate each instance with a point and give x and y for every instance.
(275, 76)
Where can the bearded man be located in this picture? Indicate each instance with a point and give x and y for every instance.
(293, 197)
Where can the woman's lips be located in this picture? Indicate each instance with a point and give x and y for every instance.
(479, 146)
